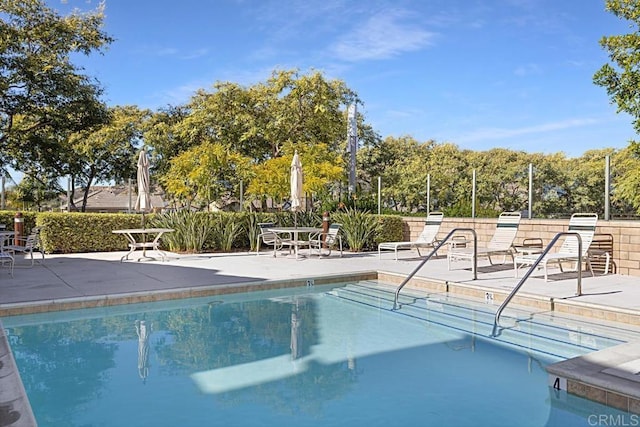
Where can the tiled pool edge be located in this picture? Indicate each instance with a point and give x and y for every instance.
(585, 376)
(594, 311)
(582, 377)
(16, 409)
(32, 307)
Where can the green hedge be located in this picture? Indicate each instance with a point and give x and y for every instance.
(8, 219)
(76, 232)
(391, 229)
(63, 232)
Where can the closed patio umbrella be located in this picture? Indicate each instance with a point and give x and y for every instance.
(296, 186)
(143, 202)
(143, 330)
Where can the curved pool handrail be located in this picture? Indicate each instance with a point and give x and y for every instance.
(496, 320)
(435, 250)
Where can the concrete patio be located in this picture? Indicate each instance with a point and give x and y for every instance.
(95, 275)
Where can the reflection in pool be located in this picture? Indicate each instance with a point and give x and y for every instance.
(289, 357)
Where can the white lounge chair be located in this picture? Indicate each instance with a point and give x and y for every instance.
(426, 239)
(500, 244)
(582, 223)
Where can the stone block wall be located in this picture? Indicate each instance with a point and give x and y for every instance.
(625, 234)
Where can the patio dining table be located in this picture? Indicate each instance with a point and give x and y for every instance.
(146, 242)
(295, 232)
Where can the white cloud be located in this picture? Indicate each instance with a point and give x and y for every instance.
(527, 70)
(501, 133)
(180, 54)
(382, 36)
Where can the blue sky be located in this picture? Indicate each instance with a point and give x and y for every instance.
(481, 74)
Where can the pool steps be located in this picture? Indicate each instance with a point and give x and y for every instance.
(558, 336)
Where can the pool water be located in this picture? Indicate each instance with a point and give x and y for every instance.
(320, 356)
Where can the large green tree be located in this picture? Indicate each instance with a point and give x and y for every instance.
(42, 93)
(205, 173)
(257, 121)
(621, 79)
(105, 152)
(265, 123)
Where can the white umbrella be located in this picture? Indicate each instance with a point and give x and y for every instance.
(296, 186)
(143, 202)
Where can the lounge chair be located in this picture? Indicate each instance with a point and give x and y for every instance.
(326, 240)
(426, 239)
(582, 223)
(500, 244)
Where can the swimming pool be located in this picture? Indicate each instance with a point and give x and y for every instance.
(319, 356)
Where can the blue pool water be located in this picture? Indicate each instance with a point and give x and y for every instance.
(297, 357)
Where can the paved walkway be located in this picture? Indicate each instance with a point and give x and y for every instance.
(102, 274)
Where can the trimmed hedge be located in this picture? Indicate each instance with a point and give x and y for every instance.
(76, 232)
(70, 232)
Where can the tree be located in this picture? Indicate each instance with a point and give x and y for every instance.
(160, 133)
(258, 121)
(621, 79)
(501, 179)
(625, 165)
(551, 183)
(209, 171)
(34, 192)
(400, 163)
(42, 94)
(263, 122)
(105, 152)
(321, 168)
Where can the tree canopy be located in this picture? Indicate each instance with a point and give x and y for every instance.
(53, 123)
(42, 93)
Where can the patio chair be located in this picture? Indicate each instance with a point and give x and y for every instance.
(7, 258)
(500, 244)
(27, 245)
(326, 240)
(271, 238)
(426, 239)
(582, 223)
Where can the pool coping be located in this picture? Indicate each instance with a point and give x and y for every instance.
(106, 300)
(582, 376)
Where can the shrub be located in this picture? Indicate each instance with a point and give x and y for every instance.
(191, 230)
(73, 232)
(226, 228)
(390, 229)
(359, 228)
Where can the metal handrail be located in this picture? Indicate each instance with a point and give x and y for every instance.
(496, 321)
(435, 250)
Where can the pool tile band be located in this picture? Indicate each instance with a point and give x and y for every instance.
(32, 307)
(16, 409)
